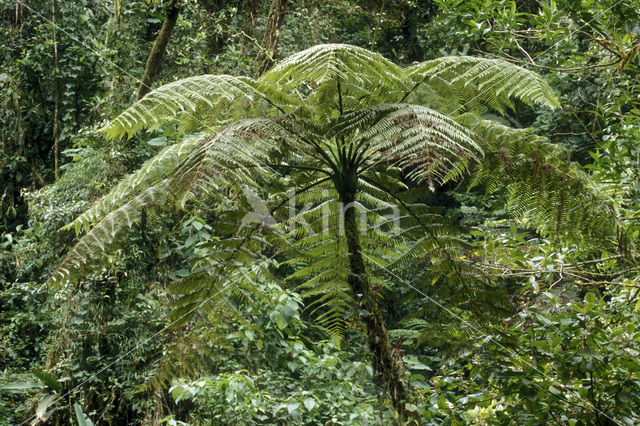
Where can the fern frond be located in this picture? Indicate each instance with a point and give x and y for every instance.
(102, 235)
(319, 256)
(430, 145)
(540, 182)
(472, 81)
(187, 99)
(160, 167)
(330, 74)
(239, 153)
(228, 163)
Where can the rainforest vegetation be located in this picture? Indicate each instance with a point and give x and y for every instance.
(411, 212)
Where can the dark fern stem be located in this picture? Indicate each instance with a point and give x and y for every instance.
(387, 367)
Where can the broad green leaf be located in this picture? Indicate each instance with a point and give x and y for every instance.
(292, 407)
(44, 404)
(82, 418)
(309, 403)
(20, 386)
(48, 379)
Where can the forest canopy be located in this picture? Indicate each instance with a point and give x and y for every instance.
(280, 212)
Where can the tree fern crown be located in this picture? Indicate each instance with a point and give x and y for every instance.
(328, 121)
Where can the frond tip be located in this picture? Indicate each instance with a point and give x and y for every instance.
(105, 232)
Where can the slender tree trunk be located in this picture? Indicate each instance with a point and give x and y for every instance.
(56, 83)
(158, 49)
(386, 364)
(267, 56)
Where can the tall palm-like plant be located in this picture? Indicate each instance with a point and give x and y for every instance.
(343, 127)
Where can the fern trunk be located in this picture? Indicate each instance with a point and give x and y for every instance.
(385, 363)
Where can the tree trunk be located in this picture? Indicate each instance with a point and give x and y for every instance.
(386, 363)
(267, 55)
(158, 49)
(56, 83)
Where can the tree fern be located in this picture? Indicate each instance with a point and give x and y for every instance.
(341, 127)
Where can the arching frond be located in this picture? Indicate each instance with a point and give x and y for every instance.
(220, 166)
(201, 98)
(540, 182)
(160, 167)
(240, 153)
(472, 81)
(102, 235)
(428, 145)
(311, 241)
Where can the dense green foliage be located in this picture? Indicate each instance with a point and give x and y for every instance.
(509, 285)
